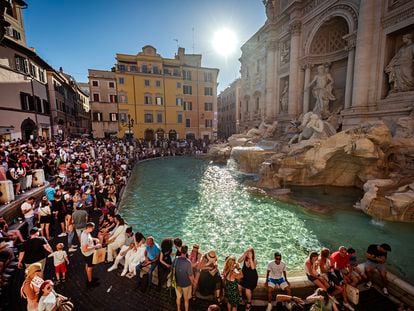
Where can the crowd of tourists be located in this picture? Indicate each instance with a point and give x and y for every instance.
(79, 210)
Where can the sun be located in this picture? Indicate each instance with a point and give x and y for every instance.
(224, 41)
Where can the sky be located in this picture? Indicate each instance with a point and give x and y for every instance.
(86, 34)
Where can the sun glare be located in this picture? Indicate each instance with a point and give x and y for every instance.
(224, 41)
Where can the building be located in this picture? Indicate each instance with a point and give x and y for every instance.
(104, 103)
(24, 98)
(166, 98)
(339, 58)
(228, 110)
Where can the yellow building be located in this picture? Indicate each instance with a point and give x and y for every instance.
(166, 98)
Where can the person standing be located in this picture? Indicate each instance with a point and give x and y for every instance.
(87, 248)
(80, 218)
(33, 250)
(184, 278)
(28, 212)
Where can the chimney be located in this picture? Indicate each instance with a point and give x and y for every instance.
(61, 69)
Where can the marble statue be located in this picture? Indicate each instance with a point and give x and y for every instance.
(284, 97)
(400, 68)
(270, 12)
(285, 53)
(322, 90)
(270, 130)
(312, 127)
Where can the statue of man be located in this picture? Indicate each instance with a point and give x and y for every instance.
(322, 91)
(400, 68)
(312, 127)
(284, 97)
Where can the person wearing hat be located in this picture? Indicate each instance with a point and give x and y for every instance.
(33, 249)
(209, 282)
(31, 285)
(376, 257)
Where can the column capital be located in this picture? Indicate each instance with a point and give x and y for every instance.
(307, 66)
(295, 27)
(350, 41)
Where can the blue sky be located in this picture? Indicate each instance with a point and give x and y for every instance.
(83, 34)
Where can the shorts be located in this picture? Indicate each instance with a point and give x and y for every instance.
(311, 278)
(277, 283)
(183, 291)
(61, 268)
(375, 265)
(89, 260)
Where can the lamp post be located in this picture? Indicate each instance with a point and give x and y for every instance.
(130, 124)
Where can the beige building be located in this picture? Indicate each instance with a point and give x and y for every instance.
(228, 110)
(340, 58)
(103, 102)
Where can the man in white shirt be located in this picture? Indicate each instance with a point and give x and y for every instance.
(28, 212)
(276, 278)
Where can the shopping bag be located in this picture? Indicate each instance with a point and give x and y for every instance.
(353, 294)
(99, 255)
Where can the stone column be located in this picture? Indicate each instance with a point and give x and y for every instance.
(306, 89)
(364, 52)
(270, 96)
(295, 30)
(351, 38)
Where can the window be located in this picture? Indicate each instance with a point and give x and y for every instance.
(148, 117)
(46, 107)
(97, 117)
(159, 117)
(147, 82)
(38, 104)
(144, 68)
(158, 83)
(257, 103)
(33, 70)
(187, 89)
(187, 123)
(148, 100)
(21, 64)
(209, 123)
(178, 85)
(186, 75)
(95, 83)
(176, 72)
(121, 80)
(179, 117)
(133, 68)
(188, 106)
(158, 100)
(208, 77)
(42, 75)
(155, 70)
(208, 106)
(95, 97)
(208, 91)
(113, 117)
(167, 71)
(123, 117)
(121, 67)
(111, 85)
(25, 101)
(122, 98)
(113, 99)
(178, 101)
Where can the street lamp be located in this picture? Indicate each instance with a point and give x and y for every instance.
(130, 124)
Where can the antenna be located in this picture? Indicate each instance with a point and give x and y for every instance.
(176, 40)
(193, 38)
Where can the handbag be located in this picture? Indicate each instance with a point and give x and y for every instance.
(99, 255)
(352, 293)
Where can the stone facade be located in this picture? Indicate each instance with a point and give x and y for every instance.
(349, 58)
(228, 107)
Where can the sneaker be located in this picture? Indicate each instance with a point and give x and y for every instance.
(368, 284)
(269, 307)
(112, 268)
(62, 234)
(348, 306)
(385, 291)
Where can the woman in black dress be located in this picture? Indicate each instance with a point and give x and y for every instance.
(250, 276)
(164, 265)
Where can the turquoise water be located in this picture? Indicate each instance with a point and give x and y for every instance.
(208, 204)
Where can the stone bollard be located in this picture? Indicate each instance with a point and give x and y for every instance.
(38, 178)
(6, 192)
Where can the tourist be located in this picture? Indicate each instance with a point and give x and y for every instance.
(210, 280)
(178, 243)
(376, 259)
(322, 301)
(12, 175)
(195, 258)
(45, 217)
(184, 278)
(14, 235)
(60, 260)
(291, 303)
(340, 262)
(116, 238)
(250, 275)
(58, 211)
(31, 285)
(128, 244)
(164, 265)
(28, 212)
(276, 277)
(47, 297)
(311, 270)
(33, 249)
(152, 255)
(88, 247)
(356, 275)
(107, 225)
(80, 218)
(231, 275)
(134, 256)
(213, 308)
